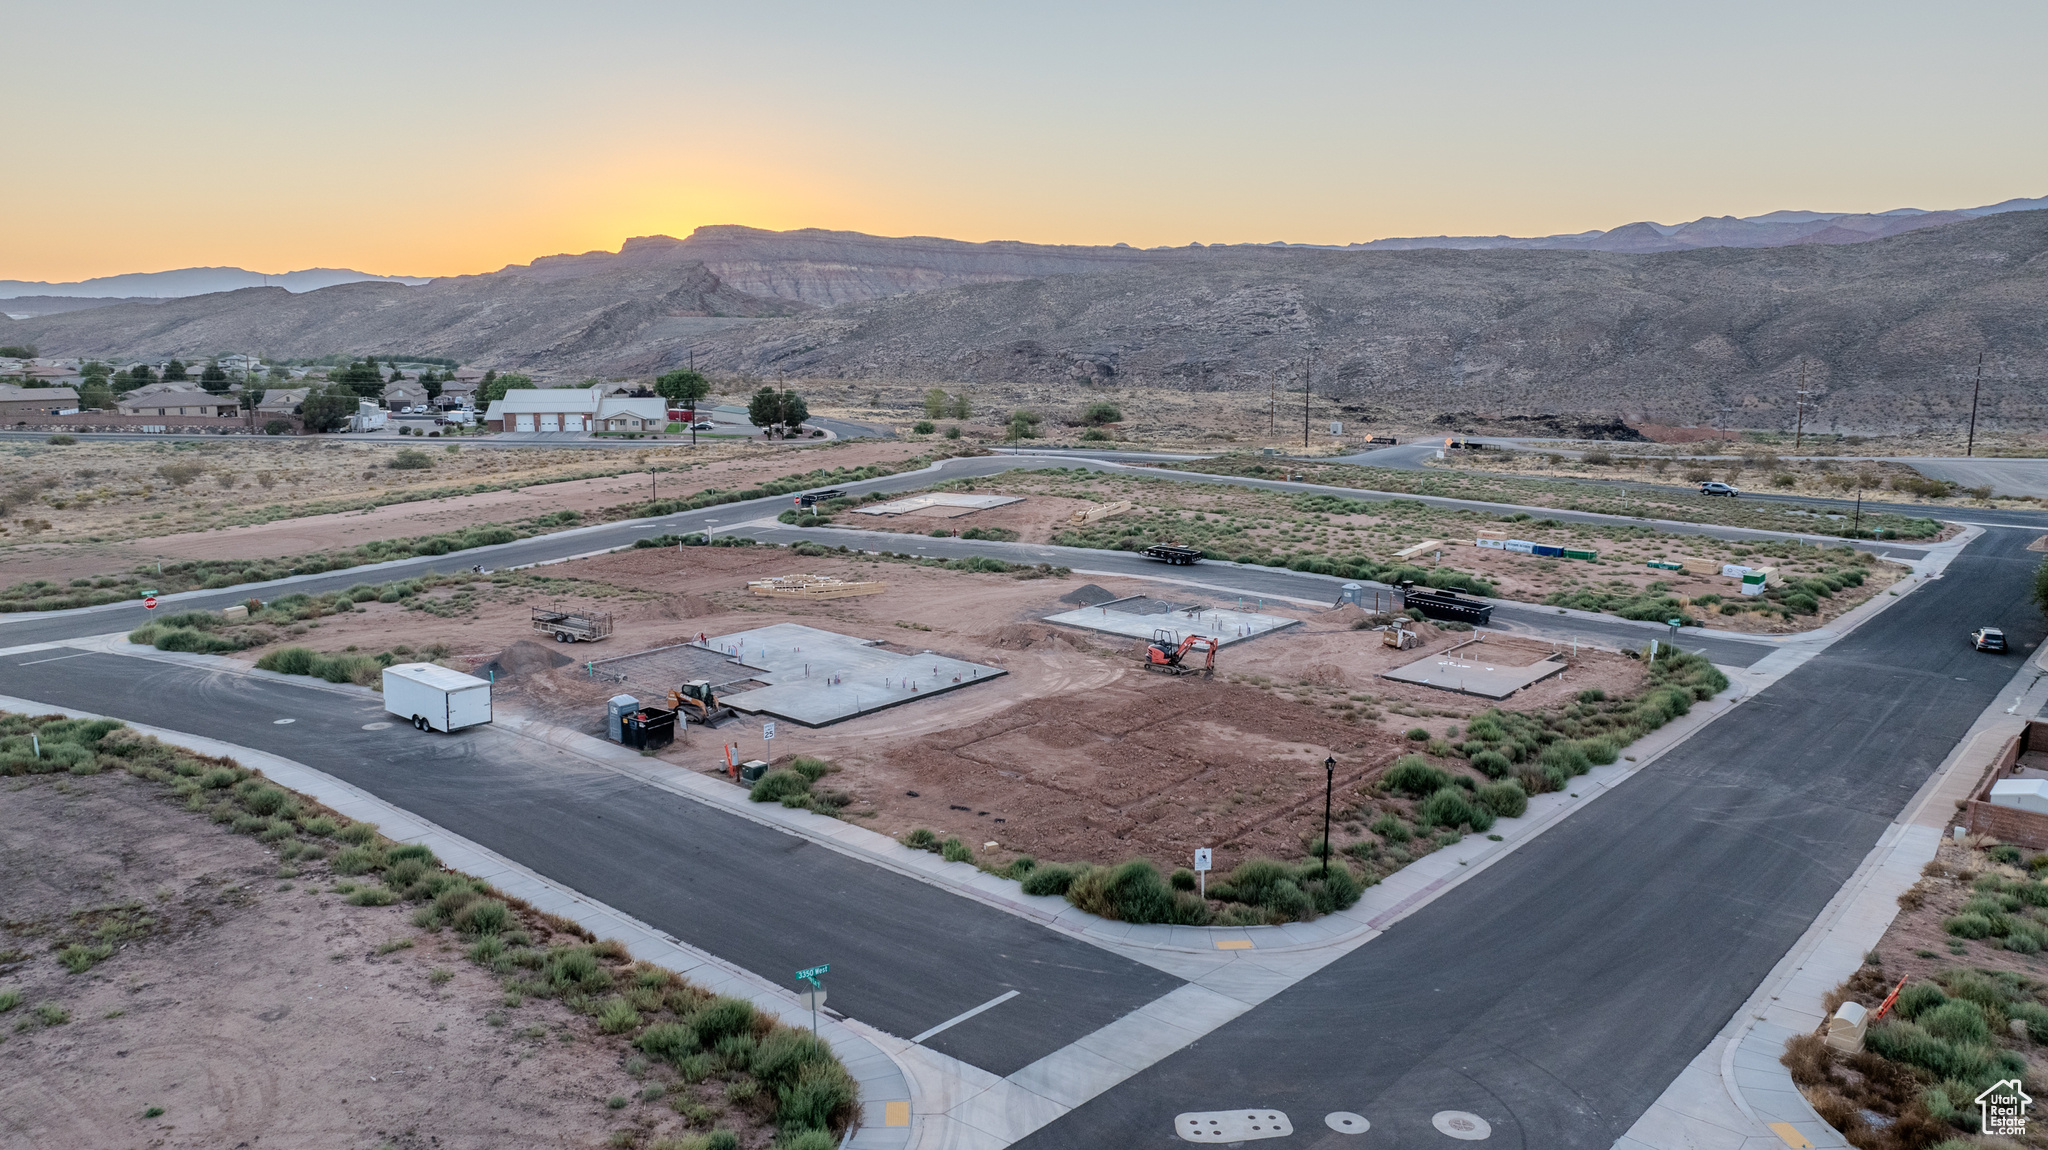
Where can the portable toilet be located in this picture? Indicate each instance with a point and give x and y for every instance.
(1351, 593)
(616, 709)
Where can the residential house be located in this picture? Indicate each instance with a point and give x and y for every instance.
(458, 393)
(590, 408)
(25, 402)
(176, 399)
(282, 401)
(399, 396)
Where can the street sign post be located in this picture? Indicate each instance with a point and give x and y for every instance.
(1202, 860)
(767, 732)
(813, 995)
(149, 604)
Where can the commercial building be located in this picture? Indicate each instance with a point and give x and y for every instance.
(593, 408)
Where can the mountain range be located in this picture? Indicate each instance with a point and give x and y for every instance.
(24, 295)
(1883, 331)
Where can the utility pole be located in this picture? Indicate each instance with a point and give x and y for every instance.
(1799, 430)
(1971, 449)
(1273, 402)
(1856, 527)
(1307, 372)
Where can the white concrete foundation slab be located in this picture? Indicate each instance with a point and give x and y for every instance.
(961, 504)
(1225, 626)
(819, 677)
(1468, 671)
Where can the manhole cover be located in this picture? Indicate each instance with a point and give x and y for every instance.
(1461, 1125)
(1345, 1122)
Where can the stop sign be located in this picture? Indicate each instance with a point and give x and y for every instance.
(149, 604)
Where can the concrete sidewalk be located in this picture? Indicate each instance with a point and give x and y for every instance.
(1736, 1095)
(885, 1094)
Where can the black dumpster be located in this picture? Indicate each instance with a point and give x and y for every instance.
(649, 729)
(1447, 605)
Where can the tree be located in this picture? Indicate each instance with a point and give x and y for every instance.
(765, 409)
(432, 383)
(95, 393)
(771, 408)
(214, 378)
(361, 378)
(961, 408)
(683, 387)
(279, 373)
(936, 402)
(17, 351)
(1101, 412)
(495, 386)
(95, 370)
(1023, 424)
(134, 377)
(329, 410)
(2041, 585)
(174, 372)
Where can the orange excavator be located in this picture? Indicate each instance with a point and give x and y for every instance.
(1168, 652)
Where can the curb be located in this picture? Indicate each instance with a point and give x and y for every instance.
(885, 1087)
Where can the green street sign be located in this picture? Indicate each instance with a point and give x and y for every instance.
(814, 972)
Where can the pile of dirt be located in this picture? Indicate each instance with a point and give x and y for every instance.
(686, 607)
(1345, 616)
(527, 657)
(1089, 595)
(1026, 637)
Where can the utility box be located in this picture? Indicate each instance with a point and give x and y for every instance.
(239, 613)
(2021, 794)
(435, 698)
(616, 709)
(1846, 1026)
(752, 770)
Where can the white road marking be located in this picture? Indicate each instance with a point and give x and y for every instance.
(376, 726)
(1231, 1126)
(1462, 1125)
(1345, 1122)
(33, 662)
(957, 1019)
(281, 722)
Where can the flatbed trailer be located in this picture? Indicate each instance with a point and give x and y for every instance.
(1172, 553)
(571, 628)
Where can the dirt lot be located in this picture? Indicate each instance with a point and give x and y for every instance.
(1748, 467)
(99, 508)
(253, 1007)
(1039, 761)
(1258, 523)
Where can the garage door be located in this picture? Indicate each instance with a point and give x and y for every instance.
(551, 422)
(577, 422)
(522, 423)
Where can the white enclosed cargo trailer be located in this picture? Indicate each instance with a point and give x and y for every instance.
(435, 698)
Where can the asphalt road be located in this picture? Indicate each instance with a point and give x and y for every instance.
(1278, 582)
(905, 955)
(58, 625)
(1559, 992)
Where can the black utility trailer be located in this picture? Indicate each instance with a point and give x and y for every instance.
(1172, 553)
(1446, 605)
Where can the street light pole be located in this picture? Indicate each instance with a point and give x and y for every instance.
(1329, 784)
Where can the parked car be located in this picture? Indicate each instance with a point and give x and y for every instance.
(702, 425)
(1717, 489)
(1988, 639)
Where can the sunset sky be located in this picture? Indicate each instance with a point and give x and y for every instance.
(441, 138)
